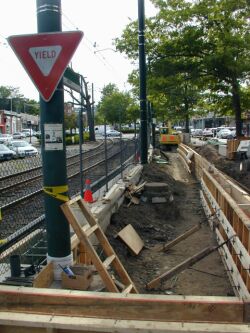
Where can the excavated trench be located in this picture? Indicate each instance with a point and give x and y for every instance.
(161, 222)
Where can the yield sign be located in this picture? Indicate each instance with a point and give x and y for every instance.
(45, 57)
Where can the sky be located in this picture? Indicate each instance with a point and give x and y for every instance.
(101, 22)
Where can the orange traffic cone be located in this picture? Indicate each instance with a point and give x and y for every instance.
(88, 193)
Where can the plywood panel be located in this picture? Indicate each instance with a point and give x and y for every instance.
(131, 239)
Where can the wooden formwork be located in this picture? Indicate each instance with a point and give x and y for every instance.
(49, 310)
(232, 146)
(227, 208)
(67, 311)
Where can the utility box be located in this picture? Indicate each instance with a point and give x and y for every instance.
(82, 279)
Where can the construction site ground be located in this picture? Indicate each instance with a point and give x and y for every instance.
(159, 223)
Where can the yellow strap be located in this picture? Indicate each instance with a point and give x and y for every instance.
(56, 192)
(0, 214)
(3, 241)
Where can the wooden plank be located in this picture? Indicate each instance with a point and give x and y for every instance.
(45, 277)
(230, 229)
(106, 263)
(119, 306)
(29, 323)
(182, 266)
(227, 197)
(175, 241)
(130, 237)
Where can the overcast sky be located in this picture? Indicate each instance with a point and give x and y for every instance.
(100, 20)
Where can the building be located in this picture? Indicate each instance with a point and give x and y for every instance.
(11, 121)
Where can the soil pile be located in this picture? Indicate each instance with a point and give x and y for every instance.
(238, 169)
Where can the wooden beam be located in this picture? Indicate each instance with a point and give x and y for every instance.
(31, 323)
(121, 306)
(181, 267)
(175, 241)
(44, 278)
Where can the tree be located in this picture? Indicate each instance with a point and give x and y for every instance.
(206, 41)
(70, 121)
(113, 105)
(11, 99)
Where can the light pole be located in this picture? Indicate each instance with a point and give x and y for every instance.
(142, 75)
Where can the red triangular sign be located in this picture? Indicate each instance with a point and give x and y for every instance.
(45, 57)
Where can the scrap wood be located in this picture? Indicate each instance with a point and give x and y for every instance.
(132, 199)
(167, 246)
(132, 188)
(185, 264)
(130, 237)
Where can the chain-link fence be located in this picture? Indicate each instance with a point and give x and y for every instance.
(22, 226)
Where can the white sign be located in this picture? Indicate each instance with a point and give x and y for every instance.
(53, 134)
(45, 57)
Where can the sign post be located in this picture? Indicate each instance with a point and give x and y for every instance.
(45, 56)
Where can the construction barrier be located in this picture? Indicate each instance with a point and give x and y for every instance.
(227, 207)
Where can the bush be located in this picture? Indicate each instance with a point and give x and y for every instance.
(74, 139)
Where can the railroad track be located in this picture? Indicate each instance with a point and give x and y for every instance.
(25, 206)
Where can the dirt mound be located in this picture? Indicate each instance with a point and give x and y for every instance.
(237, 169)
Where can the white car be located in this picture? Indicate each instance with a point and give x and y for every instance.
(113, 133)
(207, 132)
(22, 148)
(5, 153)
(28, 132)
(5, 138)
(18, 135)
(224, 134)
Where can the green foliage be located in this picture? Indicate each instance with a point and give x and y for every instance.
(70, 121)
(10, 98)
(74, 139)
(115, 107)
(197, 55)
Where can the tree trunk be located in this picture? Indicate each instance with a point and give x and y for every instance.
(237, 107)
(186, 116)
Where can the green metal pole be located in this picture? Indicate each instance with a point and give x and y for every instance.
(153, 126)
(54, 161)
(142, 75)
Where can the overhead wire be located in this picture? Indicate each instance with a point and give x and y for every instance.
(92, 49)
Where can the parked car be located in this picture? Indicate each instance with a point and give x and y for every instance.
(197, 132)
(113, 133)
(19, 135)
(5, 138)
(207, 132)
(28, 132)
(22, 148)
(6, 153)
(224, 133)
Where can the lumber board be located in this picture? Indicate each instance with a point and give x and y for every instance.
(23, 323)
(44, 278)
(119, 306)
(178, 239)
(181, 267)
(130, 237)
(229, 230)
(26, 323)
(239, 285)
(228, 198)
